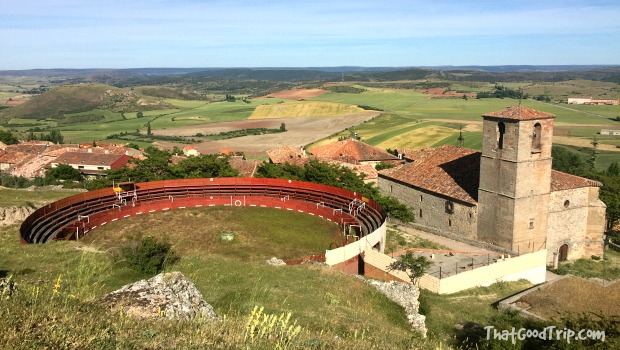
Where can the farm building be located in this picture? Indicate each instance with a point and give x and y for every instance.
(190, 151)
(90, 163)
(590, 101)
(610, 132)
(507, 195)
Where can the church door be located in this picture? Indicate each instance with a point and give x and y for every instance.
(563, 255)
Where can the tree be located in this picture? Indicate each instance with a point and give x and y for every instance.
(7, 137)
(203, 166)
(139, 114)
(282, 127)
(613, 169)
(148, 129)
(337, 176)
(384, 165)
(63, 172)
(149, 256)
(567, 161)
(415, 267)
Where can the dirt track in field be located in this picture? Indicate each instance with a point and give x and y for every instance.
(297, 94)
(300, 132)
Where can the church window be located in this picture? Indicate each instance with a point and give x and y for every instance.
(536, 137)
(566, 203)
(501, 130)
(449, 222)
(531, 224)
(449, 207)
(420, 213)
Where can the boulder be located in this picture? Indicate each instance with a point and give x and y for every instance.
(276, 262)
(169, 295)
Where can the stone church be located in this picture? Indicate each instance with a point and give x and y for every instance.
(507, 195)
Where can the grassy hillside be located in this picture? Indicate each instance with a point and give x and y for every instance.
(334, 310)
(58, 102)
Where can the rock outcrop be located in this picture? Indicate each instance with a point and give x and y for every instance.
(170, 295)
(14, 215)
(405, 295)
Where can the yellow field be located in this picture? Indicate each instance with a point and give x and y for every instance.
(303, 109)
(418, 138)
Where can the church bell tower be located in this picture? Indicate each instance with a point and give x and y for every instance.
(515, 178)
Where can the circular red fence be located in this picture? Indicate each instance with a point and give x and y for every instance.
(76, 216)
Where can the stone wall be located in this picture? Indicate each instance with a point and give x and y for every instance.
(433, 210)
(577, 219)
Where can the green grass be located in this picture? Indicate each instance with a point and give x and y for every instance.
(15, 198)
(608, 269)
(197, 232)
(471, 140)
(30, 121)
(444, 312)
(394, 133)
(108, 114)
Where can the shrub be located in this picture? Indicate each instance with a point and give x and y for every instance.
(149, 256)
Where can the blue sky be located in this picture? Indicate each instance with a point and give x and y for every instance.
(279, 33)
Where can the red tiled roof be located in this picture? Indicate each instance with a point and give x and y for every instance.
(246, 168)
(88, 158)
(286, 154)
(562, 181)
(455, 172)
(369, 171)
(519, 113)
(27, 148)
(352, 149)
(447, 170)
(14, 157)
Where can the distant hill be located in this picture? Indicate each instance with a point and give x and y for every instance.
(80, 98)
(159, 76)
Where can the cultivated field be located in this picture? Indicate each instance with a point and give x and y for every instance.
(303, 109)
(299, 132)
(297, 94)
(407, 119)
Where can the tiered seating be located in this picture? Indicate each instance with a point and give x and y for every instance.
(59, 220)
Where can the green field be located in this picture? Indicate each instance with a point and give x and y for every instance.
(411, 119)
(15, 198)
(386, 99)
